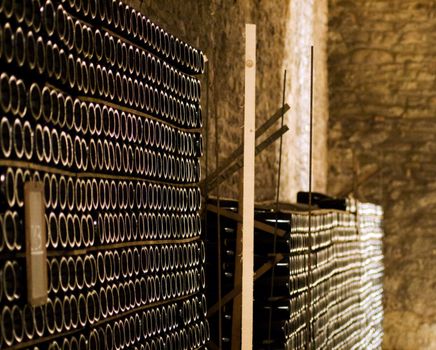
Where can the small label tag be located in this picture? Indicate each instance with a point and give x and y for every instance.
(36, 252)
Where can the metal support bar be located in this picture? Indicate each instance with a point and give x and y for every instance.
(237, 290)
(262, 146)
(236, 217)
(238, 152)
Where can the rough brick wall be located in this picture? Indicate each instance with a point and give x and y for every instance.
(382, 88)
(217, 27)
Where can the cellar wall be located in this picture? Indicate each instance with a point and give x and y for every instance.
(382, 116)
(285, 31)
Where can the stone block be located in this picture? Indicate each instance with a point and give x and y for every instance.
(372, 56)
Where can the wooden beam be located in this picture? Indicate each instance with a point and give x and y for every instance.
(236, 217)
(237, 290)
(234, 166)
(248, 187)
(360, 181)
(239, 151)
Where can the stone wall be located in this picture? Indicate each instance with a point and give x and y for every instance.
(382, 87)
(307, 26)
(284, 34)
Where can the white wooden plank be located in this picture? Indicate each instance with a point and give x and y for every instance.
(248, 187)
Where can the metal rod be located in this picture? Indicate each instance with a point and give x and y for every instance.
(310, 338)
(277, 207)
(262, 146)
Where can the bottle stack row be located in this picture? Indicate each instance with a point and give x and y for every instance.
(102, 106)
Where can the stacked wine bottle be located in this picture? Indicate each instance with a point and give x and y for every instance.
(336, 297)
(325, 290)
(102, 106)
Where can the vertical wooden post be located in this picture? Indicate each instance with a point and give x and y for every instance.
(248, 187)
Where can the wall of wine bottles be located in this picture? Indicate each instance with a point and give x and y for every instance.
(102, 106)
(336, 279)
(325, 290)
